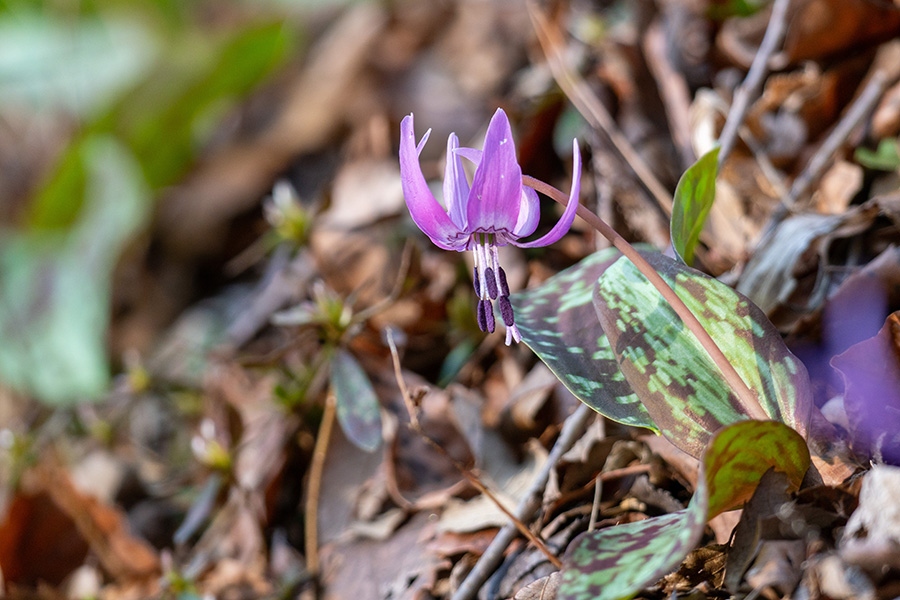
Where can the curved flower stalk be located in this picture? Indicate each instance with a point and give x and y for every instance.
(495, 211)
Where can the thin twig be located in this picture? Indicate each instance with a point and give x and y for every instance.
(316, 470)
(528, 505)
(749, 89)
(859, 110)
(598, 481)
(404, 391)
(384, 304)
(470, 476)
(747, 398)
(673, 91)
(592, 109)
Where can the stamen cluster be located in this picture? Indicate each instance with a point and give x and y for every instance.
(490, 284)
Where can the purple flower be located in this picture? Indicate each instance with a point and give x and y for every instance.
(496, 210)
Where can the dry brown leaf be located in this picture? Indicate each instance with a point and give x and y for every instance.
(778, 566)
(544, 588)
(795, 253)
(103, 527)
(686, 465)
(872, 536)
(381, 569)
(481, 512)
(38, 541)
(702, 567)
(355, 262)
(723, 525)
(771, 493)
(838, 187)
(364, 191)
(820, 28)
(529, 397)
(259, 453)
(816, 29)
(829, 576)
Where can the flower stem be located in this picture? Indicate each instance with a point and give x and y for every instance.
(745, 395)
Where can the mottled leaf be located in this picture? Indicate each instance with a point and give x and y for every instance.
(740, 454)
(693, 199)
(679, 385)
(617, 562)
(357, 405)
(557, 321)
(871, 373)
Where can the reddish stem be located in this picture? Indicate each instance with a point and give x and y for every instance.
(746, 396)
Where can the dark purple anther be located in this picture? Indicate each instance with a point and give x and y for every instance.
(504, 288)
(491, 282)
(488, 311)
(477, 283)
(506, 311)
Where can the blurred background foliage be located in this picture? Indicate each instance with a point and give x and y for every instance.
(138, 89)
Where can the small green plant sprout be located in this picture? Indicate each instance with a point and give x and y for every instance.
(209, 449)
(289, 219)
(335, 321)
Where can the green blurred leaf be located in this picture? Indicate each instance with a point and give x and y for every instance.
(693, 199)
(676, 380)
(617, 562)
(557, 321)
(358, 410)
(167, 117)
(54, 285)
(724, 9)
(76, 65)
(455, 360)
(883, 158)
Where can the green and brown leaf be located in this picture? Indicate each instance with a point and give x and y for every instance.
(679, 385)
(557, 321)
(617, 562)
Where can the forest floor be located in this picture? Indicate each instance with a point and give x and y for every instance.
(292, 397)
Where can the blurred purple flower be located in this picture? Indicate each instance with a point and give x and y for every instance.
(497, 210)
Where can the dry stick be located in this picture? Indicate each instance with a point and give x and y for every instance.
(528, 505)
(747, 398)
(592, 109)
(467, 473)
(860, 108)
(477, 483)
(749, 89)
(598, 481)
(673, 91)
(404, 391)
(316, 469)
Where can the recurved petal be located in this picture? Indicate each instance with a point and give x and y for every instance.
(562, 226)
(456, 186)
(470, 154)
(529, 213)
(426, 212)
(497, 186)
